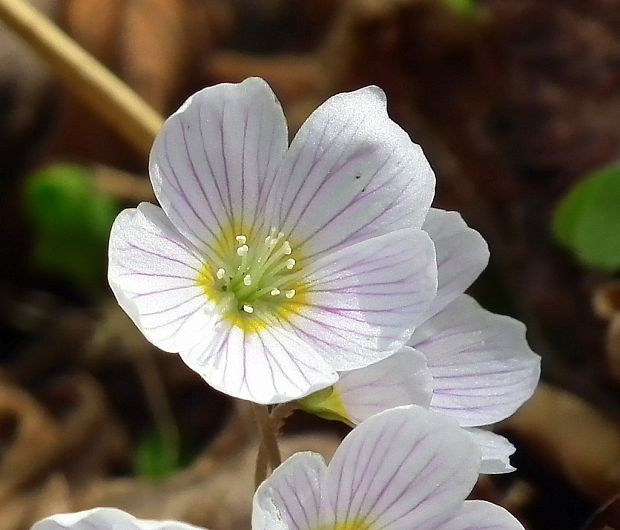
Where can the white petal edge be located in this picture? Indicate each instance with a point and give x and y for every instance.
(401, 379)
(154, 273)
(214, 161)
(270, 364)
(106, 519)
(403, 468)
(290, 499)
(350, 174)
(362, 302)
(462, 254)
(495, 451)
(483, 369)
(482, 515)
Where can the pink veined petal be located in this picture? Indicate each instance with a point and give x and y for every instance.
(106, 519)
(213, 164)
(290, 498)
(362, 302)
(270, 364)
(495, 451)
(350, 174)
(401, 379)
(154, 273)
(483, 369)
(482, 515)
(462, 254)
(401, 469)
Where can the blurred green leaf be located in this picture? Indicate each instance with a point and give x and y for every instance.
(467, 8)
(71, 220)
(155, 457)
(587, 220)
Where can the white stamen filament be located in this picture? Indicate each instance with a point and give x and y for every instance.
(259, 270)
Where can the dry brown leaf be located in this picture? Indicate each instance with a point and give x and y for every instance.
(573, 437)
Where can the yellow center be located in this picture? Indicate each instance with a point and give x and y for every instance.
(258, 279)
(354, 524)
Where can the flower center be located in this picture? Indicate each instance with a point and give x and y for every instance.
(257, 273)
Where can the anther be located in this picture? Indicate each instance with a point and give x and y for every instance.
(286, 247)
(290, 293)
(275, 292)
(247, 280)
(248, 308)
(290, 263)
(241, 239)
(220, 273)
(243, 250)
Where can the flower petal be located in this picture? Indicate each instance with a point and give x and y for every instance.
(154, 273)
(401, 469)
(362, 302)
(350, 174)
(214, 161)
(290, 498)
(401, 379)
(483, 369)
(106, 519)
(495, 451)
(482, 515)
(462, 254)
(267, 363)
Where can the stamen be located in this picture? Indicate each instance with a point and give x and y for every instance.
(256, 276)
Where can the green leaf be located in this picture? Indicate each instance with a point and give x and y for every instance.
(155, 457)
(587, 220)
(71, 221)
(468, 8)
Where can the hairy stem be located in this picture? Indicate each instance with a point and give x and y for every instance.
(268, 451)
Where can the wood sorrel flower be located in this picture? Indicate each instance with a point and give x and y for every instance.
(106, 519)
(269, 268)
(461, 361)
(401, 469)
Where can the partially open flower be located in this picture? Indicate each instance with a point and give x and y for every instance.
(401, 469)
(462, 361)
(107, 519)
(269, 268)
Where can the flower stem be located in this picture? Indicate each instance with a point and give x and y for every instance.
(113, 101)
(268, 450)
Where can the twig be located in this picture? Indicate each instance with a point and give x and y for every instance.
(114, 102)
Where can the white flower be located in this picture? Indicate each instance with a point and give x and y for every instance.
(401, 469)
(269, 268)
(106, 519)
(462, 361)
